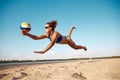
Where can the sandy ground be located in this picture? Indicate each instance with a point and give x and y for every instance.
(97, 69)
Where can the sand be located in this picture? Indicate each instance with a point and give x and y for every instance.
(97, 69)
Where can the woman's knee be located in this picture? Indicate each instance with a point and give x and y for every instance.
(73, 46)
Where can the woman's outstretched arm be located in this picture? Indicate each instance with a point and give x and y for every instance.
(56, 35)
(47, 48)
(33, 36)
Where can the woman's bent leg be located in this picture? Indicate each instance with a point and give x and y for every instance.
(70, 32)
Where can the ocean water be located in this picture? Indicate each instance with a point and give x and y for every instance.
(28, 63)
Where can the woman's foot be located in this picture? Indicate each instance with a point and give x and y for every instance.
(82, 47)
(73, 27)
(85, 48)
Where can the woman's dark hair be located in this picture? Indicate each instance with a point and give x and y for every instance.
(52, 24)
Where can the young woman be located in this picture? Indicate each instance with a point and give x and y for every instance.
(55, 37)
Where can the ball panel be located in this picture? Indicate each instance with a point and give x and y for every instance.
(25, 25)
(22, 28)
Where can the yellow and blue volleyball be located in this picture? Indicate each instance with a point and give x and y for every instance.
(25, 26)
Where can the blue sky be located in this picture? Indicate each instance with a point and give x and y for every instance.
(97, 22)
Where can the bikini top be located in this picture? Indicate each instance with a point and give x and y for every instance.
(58, 40)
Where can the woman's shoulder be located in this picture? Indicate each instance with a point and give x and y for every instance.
(57, 33)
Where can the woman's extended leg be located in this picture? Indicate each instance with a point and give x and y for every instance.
(74, 46)
(71, 42)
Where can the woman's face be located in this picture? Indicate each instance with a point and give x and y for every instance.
(47, 28)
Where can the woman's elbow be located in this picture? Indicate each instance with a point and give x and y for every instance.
(36, 38)
(52, 42)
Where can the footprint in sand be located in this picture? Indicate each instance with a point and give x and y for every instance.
(22, 69)
(3, 75)
(78, 76)
(22, 75)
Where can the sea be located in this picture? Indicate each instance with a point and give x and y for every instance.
(29, 63)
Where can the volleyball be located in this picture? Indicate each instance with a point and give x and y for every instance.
(25, 26)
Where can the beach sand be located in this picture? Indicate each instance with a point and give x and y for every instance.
(96, 69)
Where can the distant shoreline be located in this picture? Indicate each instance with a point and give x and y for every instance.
(50, 60)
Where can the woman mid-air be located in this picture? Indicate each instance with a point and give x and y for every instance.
(55, 37)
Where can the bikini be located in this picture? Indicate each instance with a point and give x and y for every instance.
(58, 40)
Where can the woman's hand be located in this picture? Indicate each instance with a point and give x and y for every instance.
(23, 32)
(39, 52)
